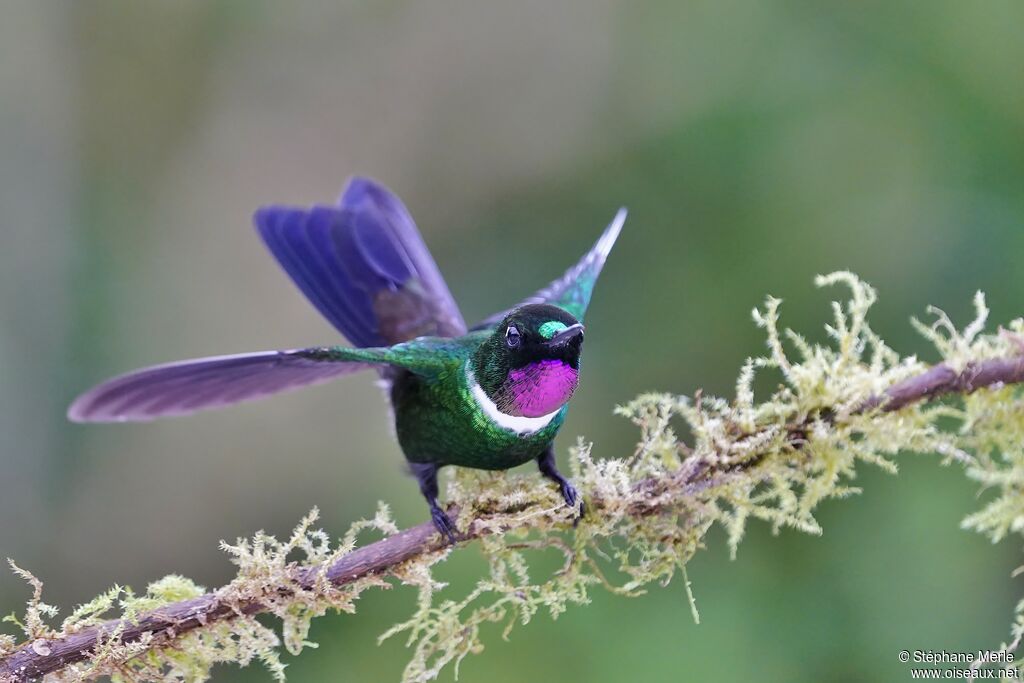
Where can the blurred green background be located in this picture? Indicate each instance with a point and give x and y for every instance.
(756, 144)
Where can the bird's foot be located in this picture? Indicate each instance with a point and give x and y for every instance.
(546, 464)
(443, 523)
(571, 497)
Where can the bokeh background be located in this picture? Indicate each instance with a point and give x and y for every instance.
(756, 144)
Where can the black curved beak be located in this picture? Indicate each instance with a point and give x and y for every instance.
(570, 335)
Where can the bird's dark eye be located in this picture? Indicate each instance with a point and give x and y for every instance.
(512, 336)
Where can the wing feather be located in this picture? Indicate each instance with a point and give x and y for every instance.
(189, 386)
(572, 291)
(364, 266)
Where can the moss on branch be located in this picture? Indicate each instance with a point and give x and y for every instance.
(839, 405)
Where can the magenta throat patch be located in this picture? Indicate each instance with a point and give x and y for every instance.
(537, 389)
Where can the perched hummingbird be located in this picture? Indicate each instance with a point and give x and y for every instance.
(491, 397)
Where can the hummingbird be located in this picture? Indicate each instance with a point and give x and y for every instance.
(488, 397)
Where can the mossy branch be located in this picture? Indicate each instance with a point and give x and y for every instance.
(853, 400)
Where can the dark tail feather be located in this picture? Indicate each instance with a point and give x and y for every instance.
(364, 266)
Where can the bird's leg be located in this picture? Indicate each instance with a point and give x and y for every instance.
(426, 475)
(548, 467)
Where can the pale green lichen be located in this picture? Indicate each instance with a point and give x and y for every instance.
(33, 623)
(267, 573)
(774, 459)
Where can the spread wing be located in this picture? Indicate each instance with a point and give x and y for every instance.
(364, 266)
(572, 291)
(206, 383)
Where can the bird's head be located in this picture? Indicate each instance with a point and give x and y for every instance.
(529, 366)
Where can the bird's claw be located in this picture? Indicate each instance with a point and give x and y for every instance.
(571, 497)
(443, 524)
